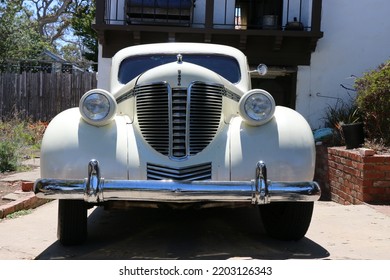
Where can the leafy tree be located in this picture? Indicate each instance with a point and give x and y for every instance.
(66, 24)
(82, 25)
(52, 17)
(19, 38)
(27, 27)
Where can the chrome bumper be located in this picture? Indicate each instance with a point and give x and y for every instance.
(95, 189)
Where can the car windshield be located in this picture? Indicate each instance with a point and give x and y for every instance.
(226, 66)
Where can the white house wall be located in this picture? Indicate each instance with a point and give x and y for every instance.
(104, 66)
(356, 40)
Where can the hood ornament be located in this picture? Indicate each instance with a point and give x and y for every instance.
(179, 58)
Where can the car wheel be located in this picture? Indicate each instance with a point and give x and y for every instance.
(72, 222)
(287, 220)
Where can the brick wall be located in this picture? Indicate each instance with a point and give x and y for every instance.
(355, 177)
(321, 175)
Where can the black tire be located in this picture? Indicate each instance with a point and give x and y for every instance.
(287, 220)
(72, 222)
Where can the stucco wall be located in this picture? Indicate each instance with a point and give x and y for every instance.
(356, 40)
(103, 76)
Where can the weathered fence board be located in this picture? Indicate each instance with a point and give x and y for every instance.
(41, 96)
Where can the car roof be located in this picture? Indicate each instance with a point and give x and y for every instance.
(175, 48)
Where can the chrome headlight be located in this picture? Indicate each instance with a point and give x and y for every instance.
(257, 107)
(97, 107)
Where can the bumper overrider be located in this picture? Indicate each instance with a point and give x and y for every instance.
(95, 189)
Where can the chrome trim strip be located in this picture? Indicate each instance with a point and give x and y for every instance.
(125, 96)
(231, 95)
(94, 189)
(196, 172)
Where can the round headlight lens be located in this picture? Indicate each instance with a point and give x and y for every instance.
(96, 106)
(257, 107)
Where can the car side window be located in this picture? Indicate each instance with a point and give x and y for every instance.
(226, 66)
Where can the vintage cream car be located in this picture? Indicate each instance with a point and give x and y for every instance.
(180, 126)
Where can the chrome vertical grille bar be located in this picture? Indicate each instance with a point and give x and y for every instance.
(179, 112)
(179, 122)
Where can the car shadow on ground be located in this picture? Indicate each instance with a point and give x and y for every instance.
(207, 234)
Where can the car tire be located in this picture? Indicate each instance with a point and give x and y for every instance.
(72, 222)
(287, 220)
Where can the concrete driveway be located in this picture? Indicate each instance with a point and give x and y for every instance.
(336, 232)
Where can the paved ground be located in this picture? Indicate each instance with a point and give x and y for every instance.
(336, 232)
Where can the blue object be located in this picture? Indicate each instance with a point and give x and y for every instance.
(323, 133)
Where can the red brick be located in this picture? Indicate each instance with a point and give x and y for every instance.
(346, 161)
(381, 184)
(339, 166)
(374, 190)
(359, 196)
(369, 166)
(356, 157)
(374, 159)
(27, 186)
(357, 188)
(374, 174)
(337, 159)
(383, 167)
(352, 171)
(366, 152)
(9, 209)
(357, 165)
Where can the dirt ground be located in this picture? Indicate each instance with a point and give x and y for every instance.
(8, 187)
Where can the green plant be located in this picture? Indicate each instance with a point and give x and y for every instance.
(19, 139)
(8, 156)
(18, 214)
(341, 113)
(373, 99)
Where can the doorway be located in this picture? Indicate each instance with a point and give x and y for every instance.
(281, 87)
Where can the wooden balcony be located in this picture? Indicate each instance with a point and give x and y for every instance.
(268, 35)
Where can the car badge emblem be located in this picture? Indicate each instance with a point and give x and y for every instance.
(179, 58)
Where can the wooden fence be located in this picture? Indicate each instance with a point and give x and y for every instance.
(41, 96)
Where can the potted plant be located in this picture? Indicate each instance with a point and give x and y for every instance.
(346, 120)
(353, 130)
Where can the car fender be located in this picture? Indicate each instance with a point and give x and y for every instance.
(285, 144)
(69, 143)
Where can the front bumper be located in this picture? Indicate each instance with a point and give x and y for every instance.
(95, 189)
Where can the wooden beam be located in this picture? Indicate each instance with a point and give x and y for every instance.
(100, 6)
(209, 20)
(137, 37)
(316, 16)
(243, 41)
(278, 40)
(207, 37)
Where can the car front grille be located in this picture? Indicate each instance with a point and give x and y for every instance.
(191, 173)
(179, 122)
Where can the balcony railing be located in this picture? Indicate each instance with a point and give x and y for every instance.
(214, 14)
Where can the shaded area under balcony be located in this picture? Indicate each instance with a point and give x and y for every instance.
(276, 32)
